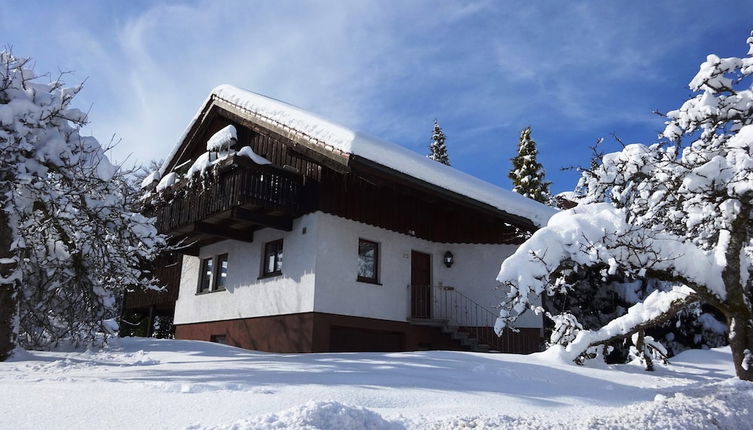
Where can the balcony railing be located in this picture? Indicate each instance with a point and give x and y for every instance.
(459, 312)
(235, 184)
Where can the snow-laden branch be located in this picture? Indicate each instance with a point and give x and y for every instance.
(658, 307)
(597, 235)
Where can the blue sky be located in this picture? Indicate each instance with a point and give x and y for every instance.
(574, 71)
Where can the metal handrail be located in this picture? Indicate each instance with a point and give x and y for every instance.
(447, 304)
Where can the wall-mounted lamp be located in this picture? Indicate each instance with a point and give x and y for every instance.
(449, 259)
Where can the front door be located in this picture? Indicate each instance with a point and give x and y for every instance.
(420, 284)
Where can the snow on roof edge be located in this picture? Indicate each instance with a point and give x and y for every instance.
(337, 137)
(183, 136)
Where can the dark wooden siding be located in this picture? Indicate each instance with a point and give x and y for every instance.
(410, 211)
(166, 269)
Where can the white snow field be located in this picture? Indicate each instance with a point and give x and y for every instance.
(171, 384)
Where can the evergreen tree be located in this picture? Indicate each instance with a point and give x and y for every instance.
(527, 174)
(437, 149)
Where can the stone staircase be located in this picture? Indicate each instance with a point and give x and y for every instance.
(462, 336)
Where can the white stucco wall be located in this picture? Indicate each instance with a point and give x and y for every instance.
(247, 296)
(337, 290)
(319, 274)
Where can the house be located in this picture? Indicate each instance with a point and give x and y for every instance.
(300, 235)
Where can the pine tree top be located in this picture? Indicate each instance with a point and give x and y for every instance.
(437, 148)
(527, 174)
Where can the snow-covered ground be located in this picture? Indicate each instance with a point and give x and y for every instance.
(170, 384)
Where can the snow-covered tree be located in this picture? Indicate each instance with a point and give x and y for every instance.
(138, 174)
(527, 174)
(69, 244)
(678, 211)
(437, 149)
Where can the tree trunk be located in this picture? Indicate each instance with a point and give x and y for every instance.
(738, 310)
(643, 352)
(8, 320)
(741, 343)
(8, 293)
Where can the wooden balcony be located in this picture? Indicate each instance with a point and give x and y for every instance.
(239, 198)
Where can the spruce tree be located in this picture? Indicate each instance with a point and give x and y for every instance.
(437, 149)
(527, 174)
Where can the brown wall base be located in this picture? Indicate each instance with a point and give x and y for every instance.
(280, 333)
(321, 332)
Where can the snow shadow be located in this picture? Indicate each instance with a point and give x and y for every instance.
(218, 367)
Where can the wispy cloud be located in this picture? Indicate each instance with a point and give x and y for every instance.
(486, 69)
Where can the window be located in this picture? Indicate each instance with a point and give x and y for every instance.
(221, 279)
(272, 264)
(213, 274)
(205, 277)
(368, 261)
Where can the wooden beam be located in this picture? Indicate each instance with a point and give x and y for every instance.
(319, 157)
(279, 223)
(224, 232)
(189, 250)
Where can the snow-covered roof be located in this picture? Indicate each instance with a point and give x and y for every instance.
(332, 136)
